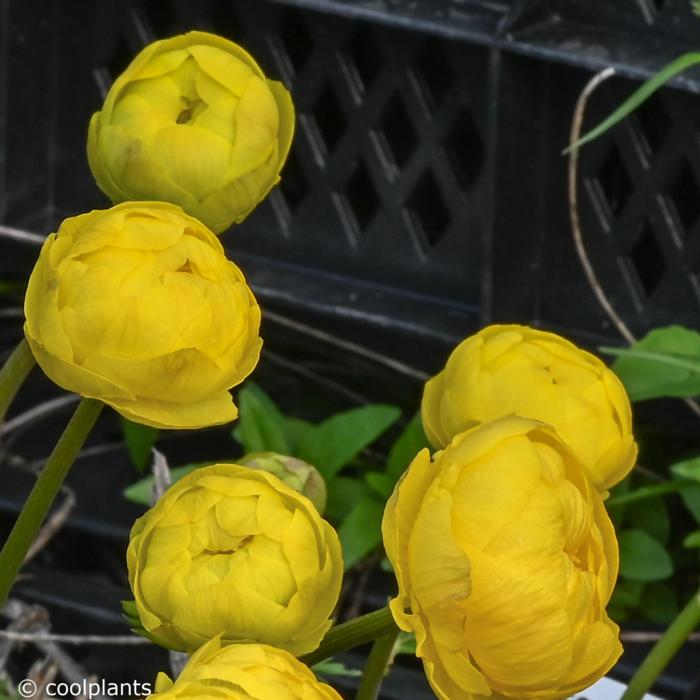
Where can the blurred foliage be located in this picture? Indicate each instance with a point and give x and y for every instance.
(359, 481)
(139, 440)
(657, 512)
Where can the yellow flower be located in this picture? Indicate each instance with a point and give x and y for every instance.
(505, 559)
(243, 672)
(517, 370)
(138, 306)
(193, 121)
(235, 552)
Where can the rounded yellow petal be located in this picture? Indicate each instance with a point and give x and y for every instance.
(505, 559)
(516, 370)
(139, 307)
(234, 552)
(193, 121)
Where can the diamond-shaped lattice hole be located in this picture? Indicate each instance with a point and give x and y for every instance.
(647, 260)
(297, 41)
(465, 149)
(161, 16)
(655, 123)
(434, 72)
(398, 131)
(614, 181)
(428, 211)
(361, 196)
(684, 193)
(366, 58)
(120, 57)
(294, 183)
(329, 117)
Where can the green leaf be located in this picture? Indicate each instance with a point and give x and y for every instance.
(658, 604)
(344, 492)
(643, 93)
(361, 532)
(642, 558)
(411, 441)
(627, 594)
(666, 362)
(382, 484)
(691, 499)
(692, 540)
(139, 440)
(329, 668)
(296, 428)
(406, 643)
(651, 516)
(330, 445)
(261, 425)
(140, 492)
(687, 469)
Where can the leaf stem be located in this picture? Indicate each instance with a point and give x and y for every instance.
(380, 658)
(353, 633)
(44, 492)
(645, 492)
(663, 651)
(13, 374)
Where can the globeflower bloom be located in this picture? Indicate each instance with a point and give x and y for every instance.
(243, 672)
(138, 306)
(505, 559)
(234, 551)
(517, 370)
(193, 121)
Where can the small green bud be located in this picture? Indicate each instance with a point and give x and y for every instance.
(297, 474)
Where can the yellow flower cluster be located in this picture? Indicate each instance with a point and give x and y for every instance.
(503, 550)
(139, 307)
(504, 554)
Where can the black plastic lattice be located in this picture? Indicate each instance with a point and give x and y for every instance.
(427, 157)
(643, 183)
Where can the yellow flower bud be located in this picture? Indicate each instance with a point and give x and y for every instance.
(193, 121)
(517, 370)
(300, 475)
(235, 552)
(138, 306)
(243, 672)
(505, 559)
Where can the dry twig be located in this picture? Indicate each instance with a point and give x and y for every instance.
(360, 350)
(73, 639)
(162, 479)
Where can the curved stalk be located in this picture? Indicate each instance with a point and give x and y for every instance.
(663, 651)
(13, 374)
(380, 658)
(44, 492)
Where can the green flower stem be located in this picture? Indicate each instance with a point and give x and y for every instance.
(13, 374)
(45, 489)
(671, 641)
(380, 658)
(353, 633)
